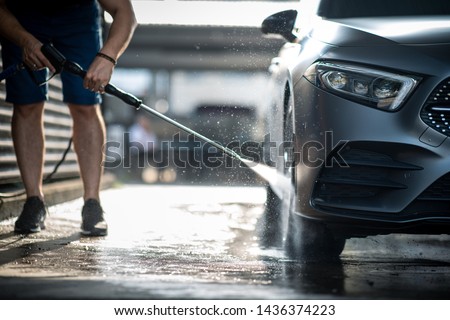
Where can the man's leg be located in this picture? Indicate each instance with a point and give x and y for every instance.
(28, 137)
(88, 139)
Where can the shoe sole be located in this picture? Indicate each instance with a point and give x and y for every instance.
(94, 233)
(31, 230)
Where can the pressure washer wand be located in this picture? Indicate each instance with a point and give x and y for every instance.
(226, 150)
(60, 63)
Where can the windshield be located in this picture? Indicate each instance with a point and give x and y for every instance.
(336, 9)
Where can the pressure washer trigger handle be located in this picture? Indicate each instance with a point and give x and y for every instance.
(124, 96)
(54, 56)
(60, 63)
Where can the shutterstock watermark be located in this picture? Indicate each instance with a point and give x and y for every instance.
(190, 152)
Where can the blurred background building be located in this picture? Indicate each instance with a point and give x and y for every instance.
(203, 63)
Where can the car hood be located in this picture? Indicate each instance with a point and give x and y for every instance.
(384, 31)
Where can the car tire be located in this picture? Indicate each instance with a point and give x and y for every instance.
(306, 239)
(311, 240)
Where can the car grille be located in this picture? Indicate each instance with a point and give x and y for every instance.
(436, 112)
(367, 178)
(363, 175)
(438, 191)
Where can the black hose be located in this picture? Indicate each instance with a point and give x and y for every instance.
(47, 179)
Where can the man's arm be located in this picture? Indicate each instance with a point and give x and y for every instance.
(11, 29)
(120, 33)
(122, 27)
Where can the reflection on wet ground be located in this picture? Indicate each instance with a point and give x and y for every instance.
(178, 242)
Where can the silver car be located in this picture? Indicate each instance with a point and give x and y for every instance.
(360, 116)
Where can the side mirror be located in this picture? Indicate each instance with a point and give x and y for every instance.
(281, 23)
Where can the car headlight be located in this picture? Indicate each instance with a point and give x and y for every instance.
(374, 88)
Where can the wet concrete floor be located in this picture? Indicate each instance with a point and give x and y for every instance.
(184, 242)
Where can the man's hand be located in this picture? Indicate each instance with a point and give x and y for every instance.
(31, 47)
(98, 75)
(33, 57)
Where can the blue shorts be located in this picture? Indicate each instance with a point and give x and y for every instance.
(76, 34)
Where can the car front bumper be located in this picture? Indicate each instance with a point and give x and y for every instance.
(389, 170)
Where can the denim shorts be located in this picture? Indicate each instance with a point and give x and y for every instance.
(76, 34)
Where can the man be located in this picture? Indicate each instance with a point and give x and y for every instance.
(74, 28)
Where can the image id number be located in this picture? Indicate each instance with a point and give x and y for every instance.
(296, 310)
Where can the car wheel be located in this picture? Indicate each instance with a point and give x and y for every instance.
(310, 240)
(306, 239)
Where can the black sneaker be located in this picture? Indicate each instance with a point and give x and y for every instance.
(93, 223)
(32, 218)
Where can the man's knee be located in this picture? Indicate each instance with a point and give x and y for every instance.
(27, 111)
(84, 112)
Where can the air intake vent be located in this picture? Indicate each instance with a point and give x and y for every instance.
(436, 112)
(366, 178)
(438, 191)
